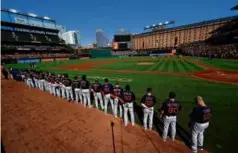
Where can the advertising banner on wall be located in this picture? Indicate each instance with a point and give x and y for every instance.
(28, 61)
(47, 60)
(61, 59)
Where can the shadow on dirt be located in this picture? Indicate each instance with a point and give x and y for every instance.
(2, 148)
(181, 133)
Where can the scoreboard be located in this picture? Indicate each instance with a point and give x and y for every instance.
(122, 42)
(122, 38)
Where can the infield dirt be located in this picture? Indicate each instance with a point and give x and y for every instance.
(37, 122)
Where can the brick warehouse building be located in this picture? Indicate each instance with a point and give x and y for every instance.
(174, 37)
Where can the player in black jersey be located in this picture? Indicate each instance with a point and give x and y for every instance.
(169, 111)
(77, 90)
(117, 91)
(148, 101)
(96, 88)
(68, 88)
(85, 85)
(128, 98)
(199, 122)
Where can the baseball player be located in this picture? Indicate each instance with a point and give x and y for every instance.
(68, 88)
(96, 89)
(57, 85)
(107, 90)
(85, 85)
(199, 122)
(36, 79)
(129, 99)
(77, 89)
(30, 80)
(49, 83)
(62, 86)
(148, 101)
(169, 111)
(117, 91)
(53, 84)
(41, 81)
(46, 82)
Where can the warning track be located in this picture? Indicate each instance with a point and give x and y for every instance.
(37, 122)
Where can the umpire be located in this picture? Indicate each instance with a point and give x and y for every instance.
(199, 122)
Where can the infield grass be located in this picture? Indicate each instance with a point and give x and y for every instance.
(220, 137)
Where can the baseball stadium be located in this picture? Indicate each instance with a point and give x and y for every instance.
(203, 63)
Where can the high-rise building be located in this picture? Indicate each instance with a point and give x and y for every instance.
(101, 38)
(62, 30)
(71, 37)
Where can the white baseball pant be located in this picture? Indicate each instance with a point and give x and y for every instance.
(69, 93)
(197, 134)
(36, 83)
(53, 89)
(29, 83)
(46, 85)
(41, 84)
(78, 95)
(57, 90)
(128, 107)
(169, 120)
(63, 90)
(50, 87)
(116, 105)
(98, 96)
(86, 97)
(107, 98)
(148, 112)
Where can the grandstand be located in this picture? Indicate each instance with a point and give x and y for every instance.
(26, 35)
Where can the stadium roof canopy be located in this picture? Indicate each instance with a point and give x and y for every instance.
(193, 24)
(235, 7)
(17, 25)
(13, 11)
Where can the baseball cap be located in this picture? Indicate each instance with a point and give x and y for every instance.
(172, 94)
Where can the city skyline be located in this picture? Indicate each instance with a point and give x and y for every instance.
(131, 15)
(102, 39)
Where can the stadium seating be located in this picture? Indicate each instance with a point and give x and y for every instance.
(41, 38)
(7, 36)
(23, 37)
(203, 49)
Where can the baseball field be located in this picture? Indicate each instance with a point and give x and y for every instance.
(216, 80)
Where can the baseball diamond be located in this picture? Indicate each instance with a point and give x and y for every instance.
(186, 76)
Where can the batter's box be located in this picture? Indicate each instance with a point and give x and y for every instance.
(111, 78)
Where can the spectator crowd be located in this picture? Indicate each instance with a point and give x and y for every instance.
(35, 55)
(201, 49)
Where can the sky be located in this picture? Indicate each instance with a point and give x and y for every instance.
(132, 15)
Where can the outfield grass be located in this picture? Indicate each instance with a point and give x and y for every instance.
(220, 136)
(163, 64)
(223, 64)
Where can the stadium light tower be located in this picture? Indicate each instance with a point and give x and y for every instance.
(13, 10)
(161, 25)
(32, 15)
(46, 18)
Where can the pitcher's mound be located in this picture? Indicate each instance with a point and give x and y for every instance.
(145, 63)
